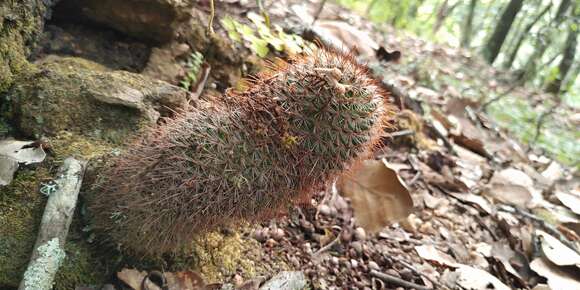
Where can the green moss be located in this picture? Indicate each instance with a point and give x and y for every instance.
(80, 267)
(20, 23)
(63, 96)
(21, 207)
(219, 256)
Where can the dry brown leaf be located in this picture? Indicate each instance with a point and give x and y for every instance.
(475, 199)
(558, 277)
(570, 200)
(134, 279)
(477, 279)
(445, 179)
(430, 253)
(511, 186)
(554, 172)
(13, 152)
(378, 195)
(186, 280)
(556, 251)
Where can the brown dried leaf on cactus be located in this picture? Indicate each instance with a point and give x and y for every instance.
(377, 193)
(244, 157)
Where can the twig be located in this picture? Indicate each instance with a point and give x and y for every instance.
(401, 133)
(416, 272)
(548, 227)
(48, 252)
(541, 121)
(318, 11)
(211, 17)
(484, 106)
(392, 279)
(197, 88)
(328, 246)
(443, 138)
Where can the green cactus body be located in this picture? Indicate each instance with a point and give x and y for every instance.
(244, 157)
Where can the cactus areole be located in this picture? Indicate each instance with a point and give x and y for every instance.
(244, 157)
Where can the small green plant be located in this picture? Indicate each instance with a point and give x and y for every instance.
(193, 65)
(261, 37)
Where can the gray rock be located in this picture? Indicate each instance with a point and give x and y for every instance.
(286, 281)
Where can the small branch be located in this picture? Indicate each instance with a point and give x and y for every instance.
(211, 17)
(550, 229)
(318, 11)
(48, 252)
(541, 121)
(401, 133)
(416, 272)
(398, 281)
(197, 88)
(328, 246)
(484, 106)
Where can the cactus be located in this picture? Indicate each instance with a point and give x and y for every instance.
(245, 156)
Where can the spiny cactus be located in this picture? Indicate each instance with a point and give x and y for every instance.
(244, 157)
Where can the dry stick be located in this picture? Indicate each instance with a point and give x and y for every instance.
(392, 279)
(541, 121)
(550, 229)
(416, 272)
(48, 252)
(318, 11)
(211, 17)
(484, 106)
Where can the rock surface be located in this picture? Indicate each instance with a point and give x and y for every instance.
(20, 24)
(76, 95)
(152, 20)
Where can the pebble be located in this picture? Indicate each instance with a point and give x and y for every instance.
(357, 246)
(406, 274)
(360, 234)
(393, 273)
(277, 234)
(238, 280)
(324, 209)
(354, 263)
(271, 243)
(306, 247)
(374, 266)
(261, 235)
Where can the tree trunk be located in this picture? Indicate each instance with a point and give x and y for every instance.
(467, 29)
(442, 13)
(543, 41)
(510, 60)
(491, 50)
(569, 53)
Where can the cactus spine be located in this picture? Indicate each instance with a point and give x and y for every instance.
(244, 157)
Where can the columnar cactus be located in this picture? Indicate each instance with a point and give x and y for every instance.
(245, 157)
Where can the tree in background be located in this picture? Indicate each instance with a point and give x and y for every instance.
(467, 28)
(543, 41)
(495, 42)
(522, 36)
(568, 55)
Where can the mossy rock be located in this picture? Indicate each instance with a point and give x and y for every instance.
(79, 96)
(21, 23)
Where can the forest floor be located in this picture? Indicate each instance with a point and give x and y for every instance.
(487, 212)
